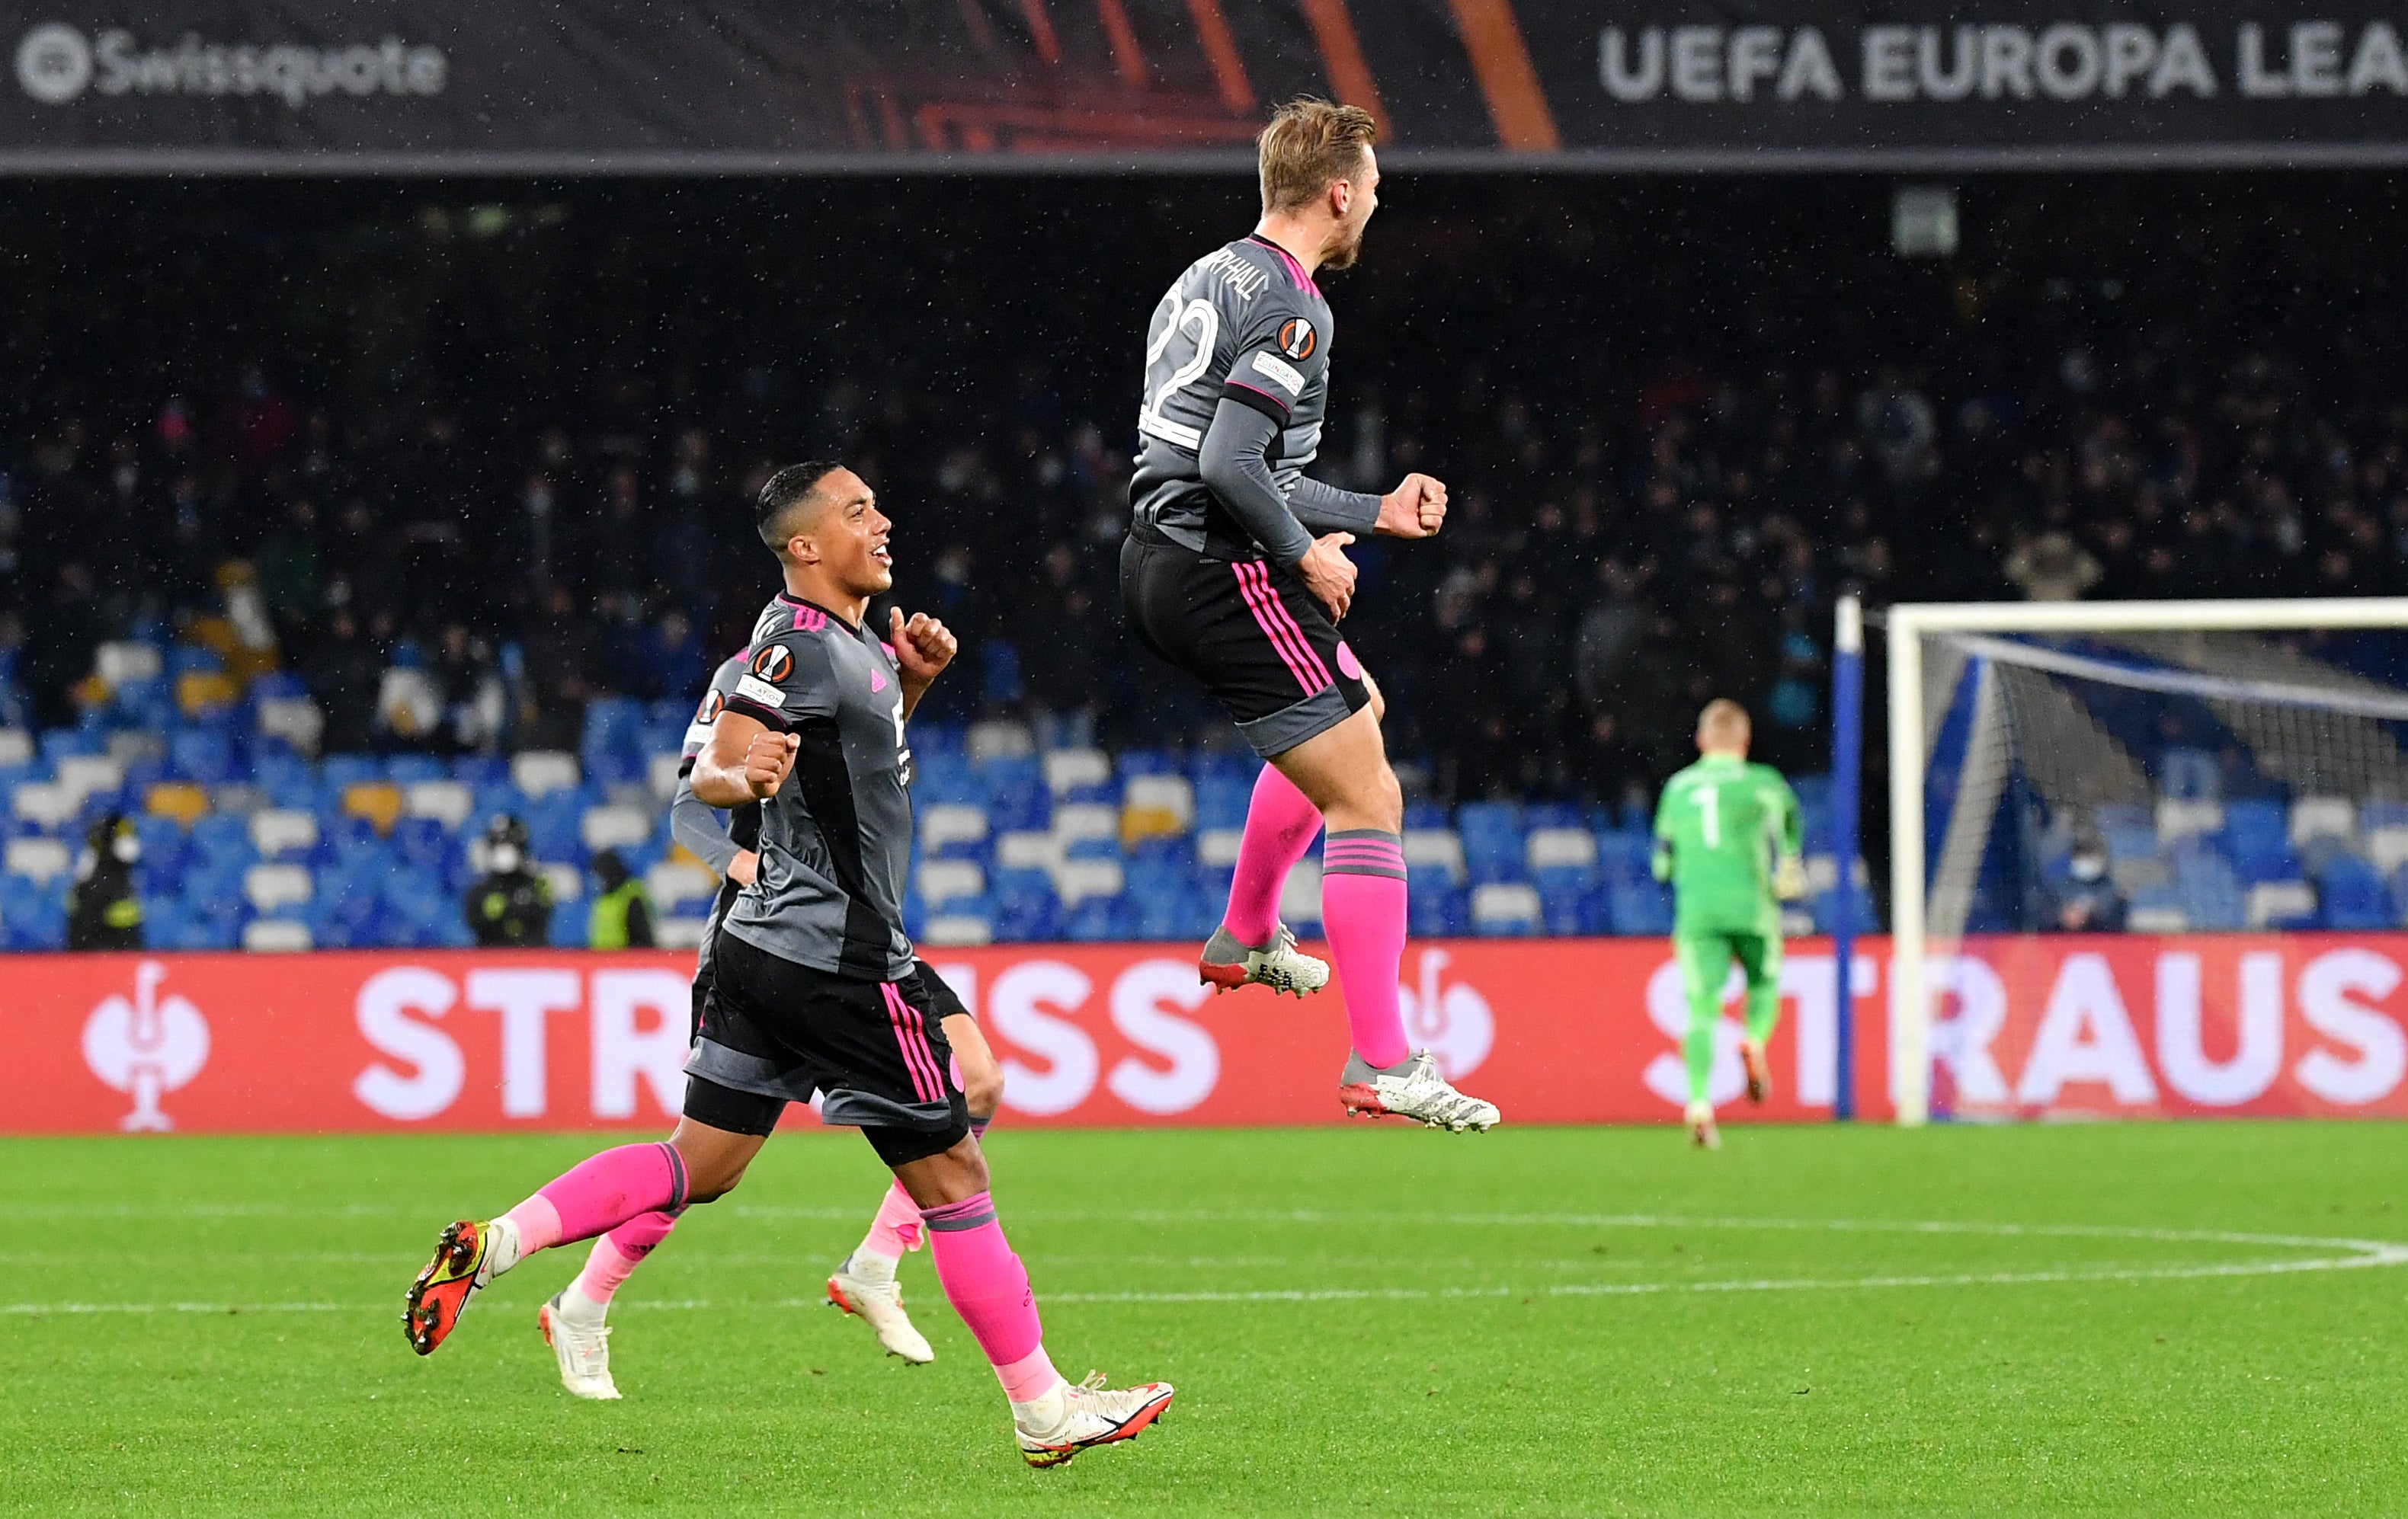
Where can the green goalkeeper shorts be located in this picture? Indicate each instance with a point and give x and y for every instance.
(1705, 964)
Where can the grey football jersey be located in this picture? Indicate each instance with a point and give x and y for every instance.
(835, 838)
(1245, 322)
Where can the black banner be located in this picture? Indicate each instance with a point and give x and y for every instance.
(515, 87)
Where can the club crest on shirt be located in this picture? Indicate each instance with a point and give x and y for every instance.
(774, 663)
(1296, 338)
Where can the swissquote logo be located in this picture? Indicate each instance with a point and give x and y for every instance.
(1450, 1020)
(145, 1047)
(57, 64)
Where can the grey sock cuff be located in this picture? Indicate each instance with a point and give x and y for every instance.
(1364, 851)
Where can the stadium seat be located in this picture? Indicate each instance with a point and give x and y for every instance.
(2322, 817)
(1641, 907)
(678, 888)
(84, 776)
(1299, 903)
(1218, 848)
(942, 880)
(2179, 818)
(615, 828)
(1073, 769)
(2281, 905)
(447, 801)
(1561, 848)
(268, 887)
(958, 931)
(539, 772)
(1222, 801)
(988, 742)
(41, 860)
(276, 834)
(276, 935)
(2350, 896)
(1492, 842)
(1623, 856)
(178, 800)
(1157, 803)
(375, 802)
(1026, 850)
(1435, 849)
(1100, 919)
(954, 828)
(2190, 775)
(1502, 909)
(2156, 910)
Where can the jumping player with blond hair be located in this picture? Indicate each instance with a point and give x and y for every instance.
(1235, 571)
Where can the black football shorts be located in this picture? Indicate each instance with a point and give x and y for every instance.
(774, 1032)
(1260, 642)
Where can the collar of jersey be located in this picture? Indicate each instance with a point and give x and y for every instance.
(793, 600)
(1721, 759)
(1288, 262)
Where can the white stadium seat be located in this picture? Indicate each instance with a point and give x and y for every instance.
(1075, 880)
(45, 804)
(272, 886)
(680, 933)
(661, 775)
(16, 747)
(1439, 849)
(2388, 847)
(446, 801)
(1300, 894)
(2272, 899)
(1086, 819)
(615, 828)
(275, 831)
(1218, 847)
(1067, 767)
(1027, 851)
(539, 772)
(2157, 920)
(276, 935)
(2180, 820)
(37, 859)
(1000, 740)
(567, 882)
(1505, 905)
(673, 883)
(941, 880)
(84, 774)
(296, 720)
(957, 932)
(951, 823)
(123, 661)
(1557, 848)
(2323, 817)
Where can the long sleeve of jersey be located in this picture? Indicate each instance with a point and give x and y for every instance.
(1234, 464)
(698, 825)
(1325, 509)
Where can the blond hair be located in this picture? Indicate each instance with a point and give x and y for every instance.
(1723, 721)
(1311, 144)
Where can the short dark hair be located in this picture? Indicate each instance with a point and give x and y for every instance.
(788, 488)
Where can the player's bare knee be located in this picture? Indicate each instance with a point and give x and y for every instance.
(982, 1091)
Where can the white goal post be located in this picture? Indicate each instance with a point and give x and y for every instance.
(2024, 636)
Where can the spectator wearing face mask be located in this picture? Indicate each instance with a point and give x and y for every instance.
(2086, 901)
(102, 912)
(509, 907)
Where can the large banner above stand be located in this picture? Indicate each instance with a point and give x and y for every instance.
(1555, 1031)
(515, 87)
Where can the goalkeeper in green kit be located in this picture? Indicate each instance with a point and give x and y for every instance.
(1726, 837)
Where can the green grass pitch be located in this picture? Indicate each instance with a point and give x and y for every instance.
(1539, 1321)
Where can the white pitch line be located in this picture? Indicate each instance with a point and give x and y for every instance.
(2364, 1254)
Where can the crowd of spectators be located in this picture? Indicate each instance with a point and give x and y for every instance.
(462, 466)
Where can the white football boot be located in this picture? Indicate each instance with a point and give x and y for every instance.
(1077, 1416)
(1699, 1116)
(1229, 964)
(583, 1350)
(880, 1305)
(1412, 1089)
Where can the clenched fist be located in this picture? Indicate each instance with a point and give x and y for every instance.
(1416, 509)
(923, 646)
(767, 762)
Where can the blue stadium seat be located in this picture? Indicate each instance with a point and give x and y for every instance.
(2350, 896)
(1222, 800)
(1099, 919)
(1492, 842)
(407, 769)
(338, 771)
(1639, 907)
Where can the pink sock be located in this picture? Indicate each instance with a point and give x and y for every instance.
(1363, 912)
(989, 1288)
(1280, 825)
(616, 1254)
(600, 1193)
(896, 1231)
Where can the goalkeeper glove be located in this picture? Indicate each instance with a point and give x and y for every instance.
(1790, 879)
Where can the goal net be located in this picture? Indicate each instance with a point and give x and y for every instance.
(2154, 767)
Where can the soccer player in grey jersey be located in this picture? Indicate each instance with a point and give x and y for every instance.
(575, 1321)
(813, 981)
(1223, 576)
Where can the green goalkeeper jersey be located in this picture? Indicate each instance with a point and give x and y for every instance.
(1720, 827)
